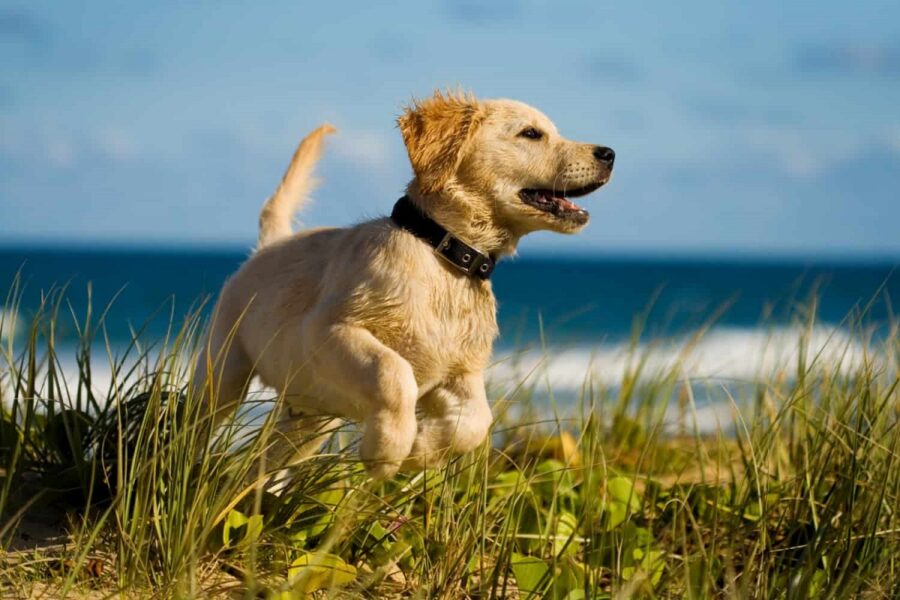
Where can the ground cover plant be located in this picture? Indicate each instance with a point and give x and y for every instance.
(114, 492)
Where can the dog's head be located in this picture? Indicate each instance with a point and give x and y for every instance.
(504, 159)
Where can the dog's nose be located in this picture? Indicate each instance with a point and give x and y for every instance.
(605, 155)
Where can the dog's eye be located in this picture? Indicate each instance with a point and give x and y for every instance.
(531, 133)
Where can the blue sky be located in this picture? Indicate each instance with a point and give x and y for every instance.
(754, 127)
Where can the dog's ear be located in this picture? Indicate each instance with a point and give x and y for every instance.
(436, 131)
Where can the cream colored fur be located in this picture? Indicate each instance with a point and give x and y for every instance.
(277, 212)
(366, 322)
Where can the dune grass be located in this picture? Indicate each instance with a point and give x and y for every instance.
(115, 493)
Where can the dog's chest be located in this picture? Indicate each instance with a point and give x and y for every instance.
(464, 322)
(449, 330)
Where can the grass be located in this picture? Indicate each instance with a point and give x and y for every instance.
(114, 493)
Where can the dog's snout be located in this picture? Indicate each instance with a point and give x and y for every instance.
(605, 155)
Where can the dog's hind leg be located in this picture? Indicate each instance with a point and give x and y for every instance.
(294, 438)
(456, 418)
(379, 384)
(221, 376)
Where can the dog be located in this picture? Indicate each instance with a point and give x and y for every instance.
(374, 322)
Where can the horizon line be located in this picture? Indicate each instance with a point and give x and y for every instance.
(779, 255)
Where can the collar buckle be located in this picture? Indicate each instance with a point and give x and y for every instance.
(462, 256)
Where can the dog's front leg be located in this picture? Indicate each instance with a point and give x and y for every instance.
(379, 382)
(456, 418)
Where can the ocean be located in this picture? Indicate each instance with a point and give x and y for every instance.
(571, 315)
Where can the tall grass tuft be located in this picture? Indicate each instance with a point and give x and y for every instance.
(113, 485)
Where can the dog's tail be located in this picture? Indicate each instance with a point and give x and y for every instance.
(278, 211)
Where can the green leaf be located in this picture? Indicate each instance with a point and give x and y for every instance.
(298, 539)
(621, 501)
(239, 529)
(614, 514)
(621, 489)
(818, 581)
(380, 546)
(636, 537)
(530, 573)
(394, 552)
(328, 502)
(566, 526)
(646, 565)
(507, 482)
(569, 577)
(311, 572)
(553, 478)
(531, 524)
(654, 563)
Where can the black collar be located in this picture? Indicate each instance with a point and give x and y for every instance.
(455, 251)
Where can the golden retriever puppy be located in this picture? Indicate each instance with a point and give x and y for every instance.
(379, 323)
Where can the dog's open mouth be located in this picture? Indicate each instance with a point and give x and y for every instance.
(557, 203)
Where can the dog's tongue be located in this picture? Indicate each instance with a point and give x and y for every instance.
(567, 204)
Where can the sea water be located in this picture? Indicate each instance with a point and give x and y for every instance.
(562, 319)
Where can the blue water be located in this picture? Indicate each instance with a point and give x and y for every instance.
(566, 300)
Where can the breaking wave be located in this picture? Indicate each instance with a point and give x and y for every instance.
(10, 325)
(724, 353)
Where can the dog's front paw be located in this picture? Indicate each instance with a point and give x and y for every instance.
(382, 470)
(387, 442)
(427, 452)
(382, 455)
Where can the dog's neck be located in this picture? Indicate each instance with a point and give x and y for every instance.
(466, 217)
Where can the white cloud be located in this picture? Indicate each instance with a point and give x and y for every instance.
(798, 153)
(116, 144)
(870, 59)
(51, 145)
(367, 149)
(892, 138)
(59, 152)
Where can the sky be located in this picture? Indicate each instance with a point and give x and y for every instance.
(767, 127)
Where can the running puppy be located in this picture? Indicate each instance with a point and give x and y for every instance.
(391, 322)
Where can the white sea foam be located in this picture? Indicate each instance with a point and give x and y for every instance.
(724, 353)
(10, 329)
(724, 356)
(10, 325)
